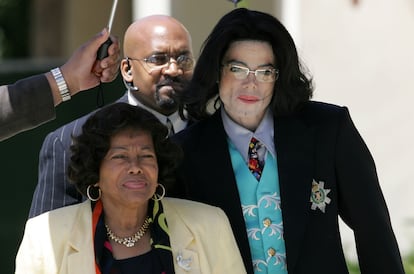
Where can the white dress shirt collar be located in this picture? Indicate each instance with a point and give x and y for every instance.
(241, 136)
(175, 118)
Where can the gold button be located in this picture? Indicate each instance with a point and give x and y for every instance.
(271, 252)
(267, 222)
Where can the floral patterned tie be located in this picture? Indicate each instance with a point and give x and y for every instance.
(255, 164)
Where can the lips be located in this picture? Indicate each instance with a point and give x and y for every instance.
(135, 184)
(166, 90)
(170, 86)
(248, 99)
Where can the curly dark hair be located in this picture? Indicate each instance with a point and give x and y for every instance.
(293, 87)
(91, 146)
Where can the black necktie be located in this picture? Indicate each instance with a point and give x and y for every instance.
(170, 127)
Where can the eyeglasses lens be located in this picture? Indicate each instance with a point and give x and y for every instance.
(262, 75)
(158, 60)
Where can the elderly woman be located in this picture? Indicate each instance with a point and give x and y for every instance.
(120, 162)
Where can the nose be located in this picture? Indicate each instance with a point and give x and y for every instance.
(172, 68)
(251, 78)
(134, 167)
(252, 74)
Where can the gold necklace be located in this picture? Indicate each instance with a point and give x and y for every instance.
(131, 240)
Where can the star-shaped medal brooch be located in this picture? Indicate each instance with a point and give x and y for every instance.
(319, 196)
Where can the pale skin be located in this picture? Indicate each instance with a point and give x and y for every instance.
(82, 71)
(128, 179)
(246, 101)
(145, 37)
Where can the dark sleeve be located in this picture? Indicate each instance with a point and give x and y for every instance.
(25, 105)
(362, 205)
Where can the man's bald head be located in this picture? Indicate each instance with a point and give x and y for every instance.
(158, 61)
(145, 30)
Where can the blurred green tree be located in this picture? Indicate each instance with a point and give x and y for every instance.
(14, 28)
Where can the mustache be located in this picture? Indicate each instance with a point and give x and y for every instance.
(177, 83)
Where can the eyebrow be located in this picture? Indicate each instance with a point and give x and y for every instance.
(237, 62)
(144, 147)
(182, 52)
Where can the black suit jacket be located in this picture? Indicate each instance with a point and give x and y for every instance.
(318, 143)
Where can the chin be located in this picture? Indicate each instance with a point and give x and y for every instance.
(167, 104)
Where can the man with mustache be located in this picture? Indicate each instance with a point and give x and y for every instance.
(158, 63)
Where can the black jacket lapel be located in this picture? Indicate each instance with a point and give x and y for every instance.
(294, 142)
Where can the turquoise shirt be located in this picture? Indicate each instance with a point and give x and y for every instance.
(262, 213)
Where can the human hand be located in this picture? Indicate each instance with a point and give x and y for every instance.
(83, 71)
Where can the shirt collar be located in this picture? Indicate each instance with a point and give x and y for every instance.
(241, 136)
(175, 118)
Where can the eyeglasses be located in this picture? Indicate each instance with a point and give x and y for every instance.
(262, 75)
(159, 61)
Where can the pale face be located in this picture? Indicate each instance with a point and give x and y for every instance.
(246, 100)
(129, 171)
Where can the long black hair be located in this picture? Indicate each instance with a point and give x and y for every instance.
(293, 86)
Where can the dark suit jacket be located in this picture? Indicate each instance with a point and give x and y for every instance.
(25, 105)
(318, 143)
(53, 189)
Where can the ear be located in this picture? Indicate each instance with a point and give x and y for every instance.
(126, 70)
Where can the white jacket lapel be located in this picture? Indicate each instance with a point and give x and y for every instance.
(185, 253)
(79, 251)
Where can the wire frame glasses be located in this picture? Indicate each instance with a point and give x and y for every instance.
(266, 75)
(161, 60)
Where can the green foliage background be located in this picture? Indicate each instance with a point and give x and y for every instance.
(14, 22)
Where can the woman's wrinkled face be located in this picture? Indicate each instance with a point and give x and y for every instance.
(129, 171)
(246, 100)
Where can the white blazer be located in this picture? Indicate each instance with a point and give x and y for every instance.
(60, 241)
